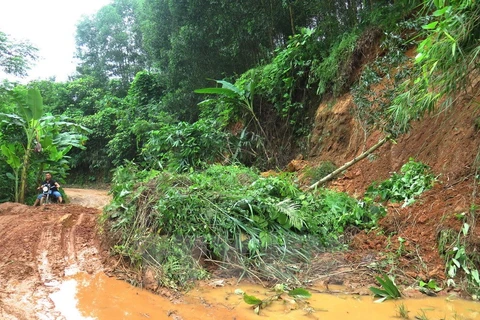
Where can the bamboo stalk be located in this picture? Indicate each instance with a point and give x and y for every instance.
(347, 165)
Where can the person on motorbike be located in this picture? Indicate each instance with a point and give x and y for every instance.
(54, 187)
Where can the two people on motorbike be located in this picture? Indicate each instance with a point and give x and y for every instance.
(53, 190)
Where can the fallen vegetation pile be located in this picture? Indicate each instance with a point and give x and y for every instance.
(231, 217)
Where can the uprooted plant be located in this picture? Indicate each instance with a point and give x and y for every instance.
(293, 297)
(460, 258)
(388, 290)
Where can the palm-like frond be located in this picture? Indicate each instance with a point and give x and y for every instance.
(290, 209)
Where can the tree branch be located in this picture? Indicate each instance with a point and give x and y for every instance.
(352, 162)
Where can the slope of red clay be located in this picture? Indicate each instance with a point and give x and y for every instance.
(448, 141)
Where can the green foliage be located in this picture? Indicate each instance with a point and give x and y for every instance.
(300, 293)
(290, 70)
(102, 127)
(109, 44)
(445, 58)
(429, 287)
(414, 179)
(389, 289)
(146, 88)
(183, 146)
(377, 86)
(242, 96)
(335, 211)
(328, 71)
(252, 300)
(402, 312)
(174, 261)
(460, 257)
(240, 219)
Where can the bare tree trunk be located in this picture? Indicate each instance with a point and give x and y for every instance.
(292, 24)
(24, 176)
(352, 162)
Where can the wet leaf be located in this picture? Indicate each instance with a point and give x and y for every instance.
(300, 293)
(251, 300)
(379, 292)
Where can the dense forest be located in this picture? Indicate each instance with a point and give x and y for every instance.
(180, 104)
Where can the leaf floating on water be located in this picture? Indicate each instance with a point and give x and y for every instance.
(251, 300)
(300, 293)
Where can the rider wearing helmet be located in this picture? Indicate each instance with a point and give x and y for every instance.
(54, 186)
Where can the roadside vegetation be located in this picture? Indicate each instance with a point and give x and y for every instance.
(183, 153)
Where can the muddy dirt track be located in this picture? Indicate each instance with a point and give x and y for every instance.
(41, 245)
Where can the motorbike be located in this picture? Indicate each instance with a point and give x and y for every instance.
(47, 196)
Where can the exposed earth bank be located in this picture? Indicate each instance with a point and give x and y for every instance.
(409, 242)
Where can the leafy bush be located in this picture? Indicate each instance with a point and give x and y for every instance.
(414, 179)
(182, 146)
(232, 215)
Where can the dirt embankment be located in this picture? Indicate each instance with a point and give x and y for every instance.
(448, 141)
(41, 245)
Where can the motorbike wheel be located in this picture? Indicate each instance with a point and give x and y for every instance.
(46, 200)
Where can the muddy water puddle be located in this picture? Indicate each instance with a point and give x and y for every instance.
(99, 297)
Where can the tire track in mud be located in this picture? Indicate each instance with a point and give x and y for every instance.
(38, 248)
(44, 305)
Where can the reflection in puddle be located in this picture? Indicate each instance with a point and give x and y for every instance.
(104, 298)
(66, 302)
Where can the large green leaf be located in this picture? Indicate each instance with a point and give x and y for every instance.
(222, 91)
(229, 86)
(10, 152)
(389, 286)
(251, 300)
(300, 293)
(389, 291)
(379, 292)
(13, 118)
(35, 103)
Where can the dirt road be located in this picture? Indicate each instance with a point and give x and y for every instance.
(41, 245)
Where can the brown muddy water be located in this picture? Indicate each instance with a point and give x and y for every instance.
(84, 296)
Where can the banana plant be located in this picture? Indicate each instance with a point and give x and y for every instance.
(242, 96)
(28, 113)
(42, 135)
(11, 151)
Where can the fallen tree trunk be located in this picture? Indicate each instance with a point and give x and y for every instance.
(352, 162)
